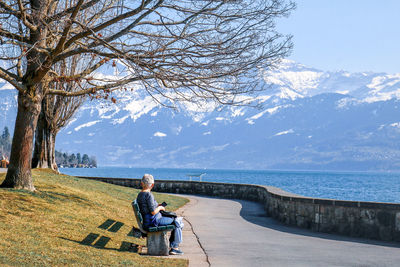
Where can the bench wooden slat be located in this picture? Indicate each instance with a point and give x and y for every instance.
(138, 216)
(162, 228)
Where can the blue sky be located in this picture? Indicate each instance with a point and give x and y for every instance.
(352, 35)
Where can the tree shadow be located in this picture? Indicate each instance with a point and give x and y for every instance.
(254, 213)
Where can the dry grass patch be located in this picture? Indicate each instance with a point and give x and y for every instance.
(71, 221)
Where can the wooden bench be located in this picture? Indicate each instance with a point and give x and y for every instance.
(157, 237)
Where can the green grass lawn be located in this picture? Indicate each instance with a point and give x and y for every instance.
(71, 221)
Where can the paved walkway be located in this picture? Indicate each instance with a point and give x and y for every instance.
(3, 170)
(220, 232)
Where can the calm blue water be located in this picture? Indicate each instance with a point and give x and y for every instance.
(379, 187)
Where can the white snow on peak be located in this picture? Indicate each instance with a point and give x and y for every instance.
(262, 98)
(284, 132)
(203, 107)
(287, 93)
(396, 124)
(380, 82)
(291, 81)
(383, 87)
(289, 64)
(108, 111)
(344, 92)
(381, 97)
(346, 102)
(262, 113)
(101, 77)
(86, 125)
(259, 115)
(159, 134)
(346, 74)
(198, 111)
(120, 120)
(139, 107)
(237, 111)
(300, 81)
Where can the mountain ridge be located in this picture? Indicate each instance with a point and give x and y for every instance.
(310, 119)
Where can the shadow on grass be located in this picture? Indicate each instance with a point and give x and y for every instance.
(111, 225)
(105, 225)
(100, 242)
(135, 232)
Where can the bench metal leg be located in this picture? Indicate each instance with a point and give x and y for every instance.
(158, 243)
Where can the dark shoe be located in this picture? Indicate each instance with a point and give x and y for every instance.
(175, 251)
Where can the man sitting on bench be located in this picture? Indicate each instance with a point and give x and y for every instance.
(150, 210)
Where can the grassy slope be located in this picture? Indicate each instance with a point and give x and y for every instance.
(54, 225)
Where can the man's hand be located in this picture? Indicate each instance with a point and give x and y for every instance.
(157, 210)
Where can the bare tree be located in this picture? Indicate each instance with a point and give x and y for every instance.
(56, 112)
(186, 50)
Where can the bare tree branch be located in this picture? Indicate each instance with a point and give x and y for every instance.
(67, 11)
(11, 78)
(24, 17)
(108, 23)
(92, 90)
(61, 42)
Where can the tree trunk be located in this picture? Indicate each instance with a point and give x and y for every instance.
(52, 151)
(40, 152)
(19, 171)
(44, 154)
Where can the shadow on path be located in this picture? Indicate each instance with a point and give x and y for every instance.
(254, 213)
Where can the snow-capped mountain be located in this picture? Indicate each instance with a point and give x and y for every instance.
(310, 119)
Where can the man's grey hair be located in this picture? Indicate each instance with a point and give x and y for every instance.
(148, 179)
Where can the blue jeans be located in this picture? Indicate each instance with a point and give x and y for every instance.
(176, 235)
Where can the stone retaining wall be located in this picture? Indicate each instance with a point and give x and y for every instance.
(373, 220)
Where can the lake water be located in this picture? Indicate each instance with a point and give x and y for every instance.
(358, 186)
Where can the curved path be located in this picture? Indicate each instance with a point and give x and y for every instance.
(221, 232)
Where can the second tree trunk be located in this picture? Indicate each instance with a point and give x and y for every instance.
(44, 149)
